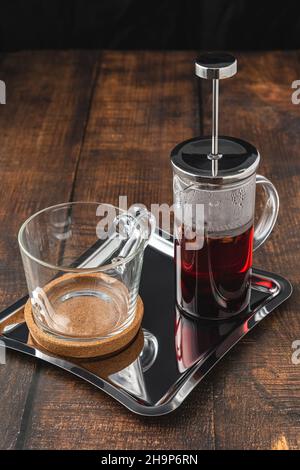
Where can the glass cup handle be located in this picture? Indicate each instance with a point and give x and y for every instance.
(269, 216)
(146, 219)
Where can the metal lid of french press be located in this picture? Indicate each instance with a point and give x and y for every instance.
(216, 159)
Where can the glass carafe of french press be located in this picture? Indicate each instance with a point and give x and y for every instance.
(214, 198)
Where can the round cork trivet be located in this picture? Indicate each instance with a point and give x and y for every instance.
(83, 348)
(105, 366)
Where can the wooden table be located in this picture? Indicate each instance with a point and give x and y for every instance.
(82, 125)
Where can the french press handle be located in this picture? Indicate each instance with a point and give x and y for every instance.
(215, 66)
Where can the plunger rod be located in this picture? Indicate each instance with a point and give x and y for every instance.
(215, 127)
(215, 118)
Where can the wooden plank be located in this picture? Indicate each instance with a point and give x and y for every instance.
(42, 127)
(257, 388)
(144, 103)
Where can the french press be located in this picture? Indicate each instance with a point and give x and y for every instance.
(214, 185)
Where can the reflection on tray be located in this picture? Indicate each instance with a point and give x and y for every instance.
(125, 369)
(196, 339)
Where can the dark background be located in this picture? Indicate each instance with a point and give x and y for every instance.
(155, 24)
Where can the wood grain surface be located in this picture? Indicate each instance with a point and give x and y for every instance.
(82, 125)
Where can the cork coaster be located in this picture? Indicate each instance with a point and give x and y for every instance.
(85, 315)
(104, 366)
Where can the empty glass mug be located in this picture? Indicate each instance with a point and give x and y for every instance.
(214, 225)
(83, 263)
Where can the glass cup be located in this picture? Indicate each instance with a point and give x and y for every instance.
(214, 241)
(82, 264)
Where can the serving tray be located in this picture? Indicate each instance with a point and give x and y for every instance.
(172, 353)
